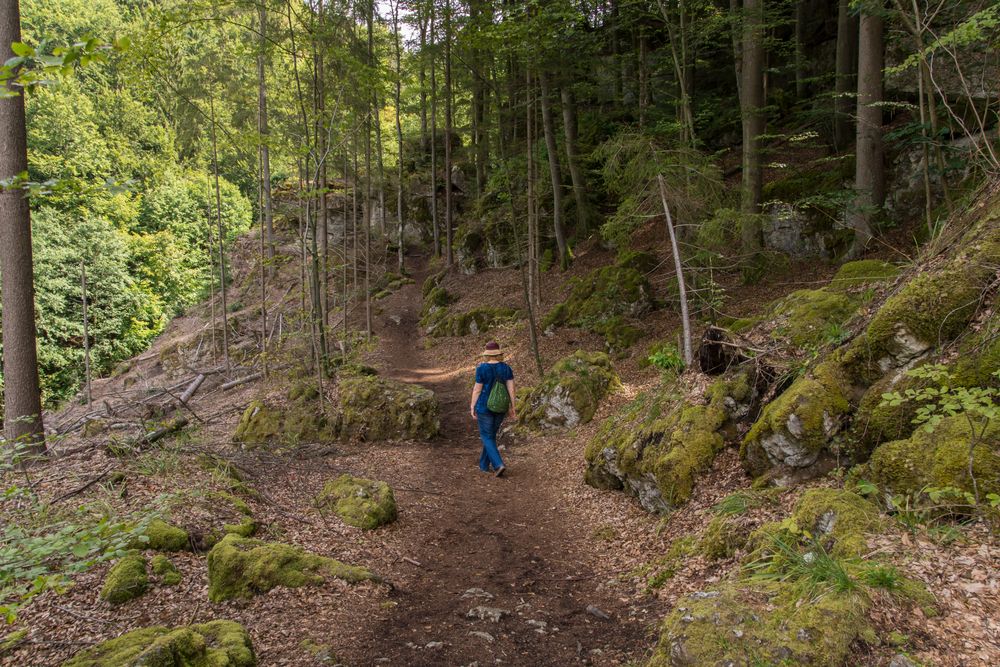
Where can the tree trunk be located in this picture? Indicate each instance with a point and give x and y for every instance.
(752, 104)
(555, 174)
(262, 128)
(573, 159)
(222, 235)
(22, 395)
(422, 21)
(399, 136)
(846, 69)
(869, 175)
(449, 257)
(434, 209)
(800, 55)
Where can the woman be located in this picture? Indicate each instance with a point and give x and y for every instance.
(490, 372)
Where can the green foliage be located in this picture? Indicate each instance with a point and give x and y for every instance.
(41, 548)
(666, 357)
(630, 162)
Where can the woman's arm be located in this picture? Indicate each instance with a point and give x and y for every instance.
(510, 392)
(476, 391)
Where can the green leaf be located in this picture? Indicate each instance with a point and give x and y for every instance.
(22, 49)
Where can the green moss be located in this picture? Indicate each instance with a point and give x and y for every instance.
(242, 568)
(840, 519)
(126, 580)
(658, 444)
(721, 538)
(806, 316)
(259, 424)
(570, 392)
(939, 458)
(12, 640)
(438, 298)
(601, 300)
(795, 427)
(213, 644)
(165, 537)
(478, 320)
(739, 625)
(863, 272)
(640, 260)
(303, 390)
(374, 408)
(362, 503)
(663, 569)
(245, 528)
(165, 570)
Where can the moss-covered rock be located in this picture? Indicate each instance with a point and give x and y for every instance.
(806, 317)
(761, 625)
(839, 519)
(300, 421)
(126, 580)
(165, 570)
(862, 273)
(388, 283)
(938, 458)
(213, 644)
(362, 503)
(242, 568)
(374, 408)
(478, 320)
(795, 428)
(436, 300)
(166, 537)
(600, 300)
(570, 392)
(658, 444)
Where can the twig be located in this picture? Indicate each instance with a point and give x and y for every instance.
(86, 486)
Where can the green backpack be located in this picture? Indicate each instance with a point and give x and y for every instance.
(499, 399)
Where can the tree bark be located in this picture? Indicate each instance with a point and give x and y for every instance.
(221, 233)
(573, 159)
(846, 69)
(555, 174)
(265, 150)
(434, 209)
(449, 257)
(752, 104)
(399, 136)
(869, 175)
(22, 394)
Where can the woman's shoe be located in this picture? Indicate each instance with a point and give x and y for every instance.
(500, 471)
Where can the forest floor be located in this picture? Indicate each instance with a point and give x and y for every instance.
(568, 568)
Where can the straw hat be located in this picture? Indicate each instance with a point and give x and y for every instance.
(492, 350)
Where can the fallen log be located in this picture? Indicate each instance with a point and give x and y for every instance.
(241, 381)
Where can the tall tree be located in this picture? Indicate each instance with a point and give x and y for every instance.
(846, 70)
(22, 394)
(571, 132)
(263, 131)
(433, 189)
(752, 108)
(555, 173)
(869, 174)
(449, 258)
(399, 134)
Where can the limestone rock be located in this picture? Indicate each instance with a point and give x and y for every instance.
(242, 568)
(657, 445)
(570, 392)
(362, 503)
(374, 408)
(217, 643)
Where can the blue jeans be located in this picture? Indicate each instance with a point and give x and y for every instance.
(489, 424)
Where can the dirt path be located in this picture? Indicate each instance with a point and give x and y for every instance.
(508, 546)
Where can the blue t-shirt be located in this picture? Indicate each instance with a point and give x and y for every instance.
(487, 374)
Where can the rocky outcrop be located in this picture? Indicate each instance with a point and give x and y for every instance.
(374, 408)
(603, 300)
(217, 643)
(812, 423)
(569, 393)
(440, 322)
(362, 503)
(367, 407)
(242, 568)
(659, 443)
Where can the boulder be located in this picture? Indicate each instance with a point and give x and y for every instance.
(375, 408)
(659, 443)
(265, 425)
(242, 568)
(126, 580)
(166, 537)
(763, 623)
(217, 643)
(476, 321)
(362, 503)
(570, 392)
(165, 570)
(938, 458)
